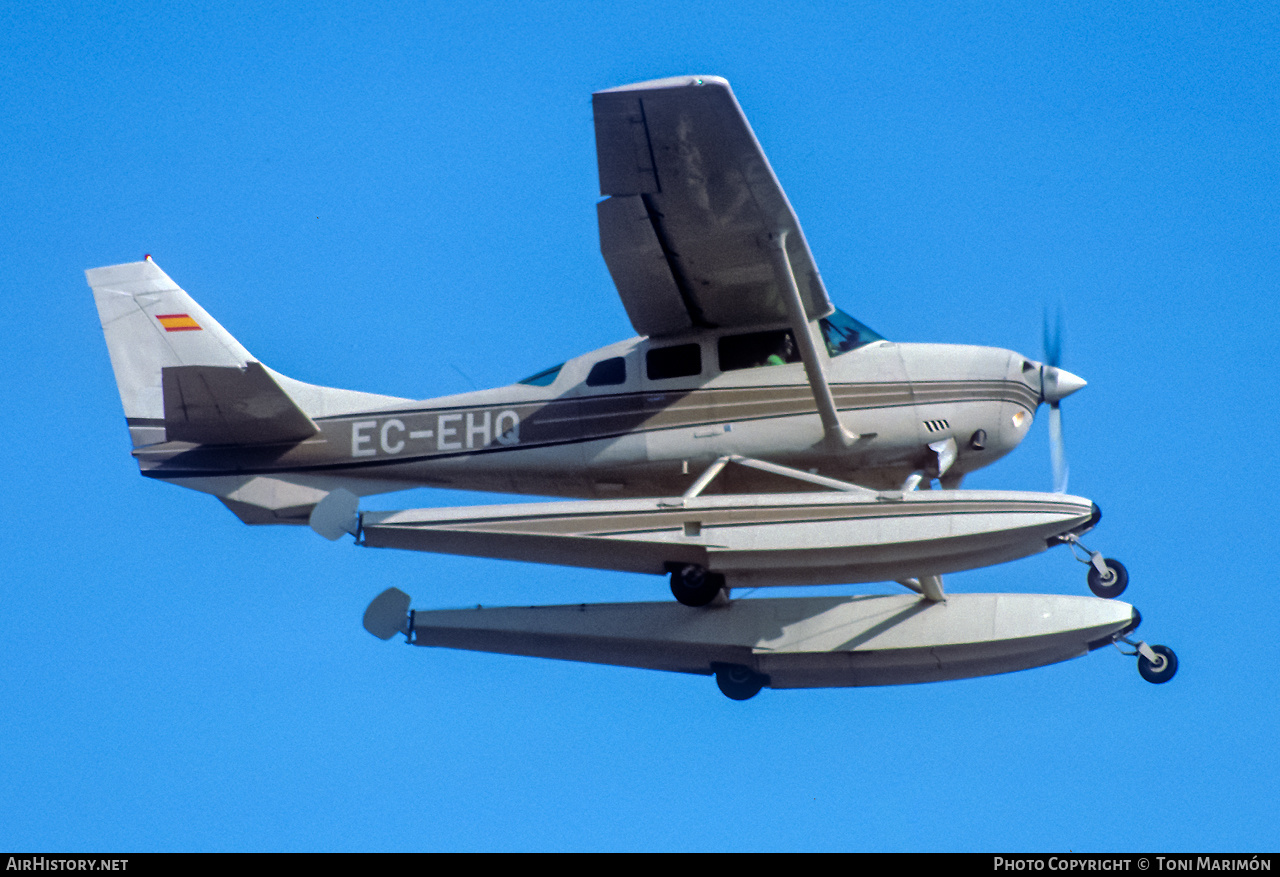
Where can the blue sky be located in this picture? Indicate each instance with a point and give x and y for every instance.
(399, 198)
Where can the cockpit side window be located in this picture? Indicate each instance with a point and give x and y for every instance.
(843, 333)
(608, 372)
(681, 361)
(756, 349)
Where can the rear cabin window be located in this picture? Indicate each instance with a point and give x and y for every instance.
(544, 378)
(680, 361)
(608, 372)
(756, 349)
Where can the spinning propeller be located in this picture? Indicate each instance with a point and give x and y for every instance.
(1055, 385)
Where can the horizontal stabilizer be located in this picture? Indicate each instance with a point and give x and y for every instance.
(229, 405)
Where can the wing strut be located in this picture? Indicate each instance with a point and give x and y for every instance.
(929, 587)
(719, 463)
(837, 435)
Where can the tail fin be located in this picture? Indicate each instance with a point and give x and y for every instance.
(152, 325)
(182, 377)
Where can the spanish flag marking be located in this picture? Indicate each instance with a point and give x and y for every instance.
(178, 323)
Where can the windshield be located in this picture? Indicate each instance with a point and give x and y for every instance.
(843, 333)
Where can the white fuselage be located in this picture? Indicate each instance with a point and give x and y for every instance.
(651, 436)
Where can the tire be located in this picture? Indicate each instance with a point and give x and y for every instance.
(1112, 588)
(738, 682)
(694, 585)
(1159, 674)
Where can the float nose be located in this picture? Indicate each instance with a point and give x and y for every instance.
(1057, 384)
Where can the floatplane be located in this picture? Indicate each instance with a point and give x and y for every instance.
(751, 435)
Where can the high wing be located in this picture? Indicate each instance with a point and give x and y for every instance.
(692, 209)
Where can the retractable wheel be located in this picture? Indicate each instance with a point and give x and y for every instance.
(739, 682)
(1164, 667)
(695, 585)
(1112, 584)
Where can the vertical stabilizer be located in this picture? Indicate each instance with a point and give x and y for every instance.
(182, 377)
(150, 325)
